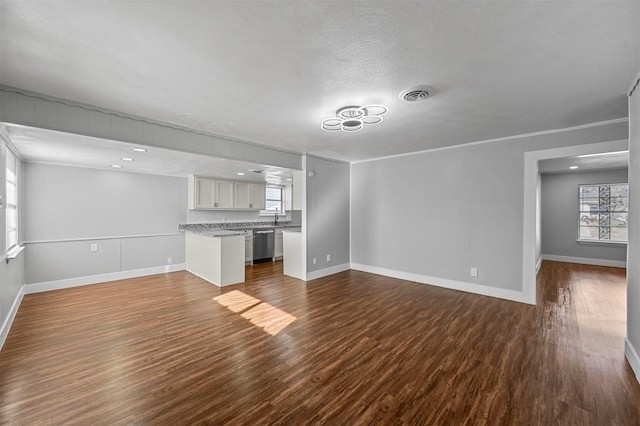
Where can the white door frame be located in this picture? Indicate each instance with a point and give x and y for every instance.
(531, 160)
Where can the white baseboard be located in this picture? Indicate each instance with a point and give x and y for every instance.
(632, 357)
(539, 264)
(585, 261)
(6, 326)
(516, 296)
(327, 271)
(95, 279)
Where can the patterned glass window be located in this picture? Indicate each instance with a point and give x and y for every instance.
(604, 212)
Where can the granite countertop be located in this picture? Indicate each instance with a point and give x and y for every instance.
(290, 231)
(201, 228)
(215, 233)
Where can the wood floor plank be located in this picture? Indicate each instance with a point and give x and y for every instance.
(353, 348)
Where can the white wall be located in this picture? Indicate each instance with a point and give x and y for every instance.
(633, 254)
(560, 218)
(432, 216)
(132, 218)
(327, 214)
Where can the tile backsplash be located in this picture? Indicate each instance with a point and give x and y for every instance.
(231, 216)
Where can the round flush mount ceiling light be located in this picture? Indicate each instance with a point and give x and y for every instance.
(416, 93)
(353, 118)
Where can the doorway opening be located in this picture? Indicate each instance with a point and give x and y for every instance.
(531, 253)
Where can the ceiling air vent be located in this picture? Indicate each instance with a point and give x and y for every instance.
(258, 171)
(418, 93)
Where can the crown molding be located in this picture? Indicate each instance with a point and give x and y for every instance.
(505, 138)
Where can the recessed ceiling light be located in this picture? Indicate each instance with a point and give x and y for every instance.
(573, 167)
(289, 179)
(116, 166)
(240, 174)
(126, 159)
(138, 149)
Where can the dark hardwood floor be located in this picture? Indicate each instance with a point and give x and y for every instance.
(353, 348)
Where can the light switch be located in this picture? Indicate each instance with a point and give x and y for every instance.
(94, 248)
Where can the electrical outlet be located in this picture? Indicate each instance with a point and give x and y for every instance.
(315, 260)
(474, 272)
(94, 248)
(328, 258)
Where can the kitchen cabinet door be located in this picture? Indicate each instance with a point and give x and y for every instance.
(242, 195)
(277, 252)
(249, 196)
(258, 196)
(205, 193)
(224, 194)
(248, 248)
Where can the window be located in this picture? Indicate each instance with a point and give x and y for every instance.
(12, 201)
(604, 212)
(274, 199)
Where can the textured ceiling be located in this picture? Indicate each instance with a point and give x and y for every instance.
(270, 71)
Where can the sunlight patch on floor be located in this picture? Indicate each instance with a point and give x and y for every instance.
(269, 318)
(261, 314)
(236, 301)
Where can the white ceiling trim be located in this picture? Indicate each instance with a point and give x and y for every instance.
(506, 138)
(335, 160)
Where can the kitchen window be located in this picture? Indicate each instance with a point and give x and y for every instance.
(604, 212)
(274, 200)
(11, 202)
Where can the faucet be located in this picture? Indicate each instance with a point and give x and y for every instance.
(275, 221)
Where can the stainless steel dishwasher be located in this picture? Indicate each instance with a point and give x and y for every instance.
(263, 244)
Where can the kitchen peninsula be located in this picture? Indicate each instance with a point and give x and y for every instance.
(217, 252)
(216, 256)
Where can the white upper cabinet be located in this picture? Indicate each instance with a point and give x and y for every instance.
(224, 194)
(258, 196)
(205, 194)
(243, 195)
(249, 195)
(208, 193)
